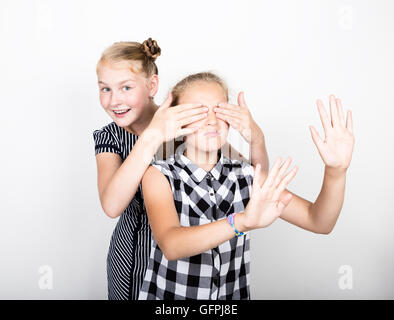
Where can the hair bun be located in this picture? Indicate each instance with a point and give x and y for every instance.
(151, 49)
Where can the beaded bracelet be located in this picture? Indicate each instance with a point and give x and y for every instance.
(230, 220)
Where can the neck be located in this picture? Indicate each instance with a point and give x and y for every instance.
(204, 159)
(139, 125)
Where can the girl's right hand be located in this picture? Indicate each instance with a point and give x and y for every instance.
(266, 203)
(168, 121)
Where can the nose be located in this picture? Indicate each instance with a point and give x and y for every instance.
(116, 98)
(211, 116)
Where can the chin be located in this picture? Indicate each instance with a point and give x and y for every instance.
(124, 122)
(211, 147)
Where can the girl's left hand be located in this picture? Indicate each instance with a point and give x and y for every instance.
(337, 147)
(240, 118)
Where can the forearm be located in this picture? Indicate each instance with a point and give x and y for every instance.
(182, 242)
(123, 185)
(325, 210)
(258, 152)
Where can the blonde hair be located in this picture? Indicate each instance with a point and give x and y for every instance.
(185, 83)
(131, 52)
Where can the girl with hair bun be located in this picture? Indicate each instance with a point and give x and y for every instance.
(128, 81)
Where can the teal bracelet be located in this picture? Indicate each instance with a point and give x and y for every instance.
(230, 220)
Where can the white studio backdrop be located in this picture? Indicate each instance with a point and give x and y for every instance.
(283, 54)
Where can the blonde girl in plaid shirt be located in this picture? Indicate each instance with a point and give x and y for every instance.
(269, 198)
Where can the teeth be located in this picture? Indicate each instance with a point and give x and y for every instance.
(121, 111)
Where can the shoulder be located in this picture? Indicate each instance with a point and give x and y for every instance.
(155, 182)
(108, 132)
(109, 128)
(151, 173)
(240, 167)
(106, 139)
(167, 166)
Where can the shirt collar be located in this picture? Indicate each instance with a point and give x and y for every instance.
(198, 174)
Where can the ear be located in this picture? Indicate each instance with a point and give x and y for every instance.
(153, 85)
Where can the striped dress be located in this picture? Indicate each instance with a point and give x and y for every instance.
(129, 249)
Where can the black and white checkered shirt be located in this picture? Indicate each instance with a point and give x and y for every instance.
(201, 198)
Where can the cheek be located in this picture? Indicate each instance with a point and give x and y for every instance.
(137, 98)
(104, 101)
(224, 126)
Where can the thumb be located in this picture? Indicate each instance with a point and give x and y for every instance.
(241, 100)
(166, 104)
(316, 137)
(284, 201)
(257, 177)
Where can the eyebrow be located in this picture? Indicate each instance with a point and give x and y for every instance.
(127, 80)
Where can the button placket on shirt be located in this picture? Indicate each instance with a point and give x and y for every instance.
(211, 191)
(215, 285)
(215, 253)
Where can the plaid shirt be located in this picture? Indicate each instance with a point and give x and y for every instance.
(201, 198)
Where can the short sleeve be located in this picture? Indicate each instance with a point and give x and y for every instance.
(105, 142)
(163, 167)
(247, 169)
(248, 172)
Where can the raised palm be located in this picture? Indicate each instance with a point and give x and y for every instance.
(266, 204)
(337, 147)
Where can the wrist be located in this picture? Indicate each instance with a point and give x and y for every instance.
(235, 227)
(148, 144)
(335, 172)
(240, 223)
(258, 138)
(152, 139)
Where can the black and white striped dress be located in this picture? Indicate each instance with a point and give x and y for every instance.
(131, 240)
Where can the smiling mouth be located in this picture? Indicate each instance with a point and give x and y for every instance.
(121, 112)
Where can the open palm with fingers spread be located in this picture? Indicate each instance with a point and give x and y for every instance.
(337, 147)
(266, 204)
